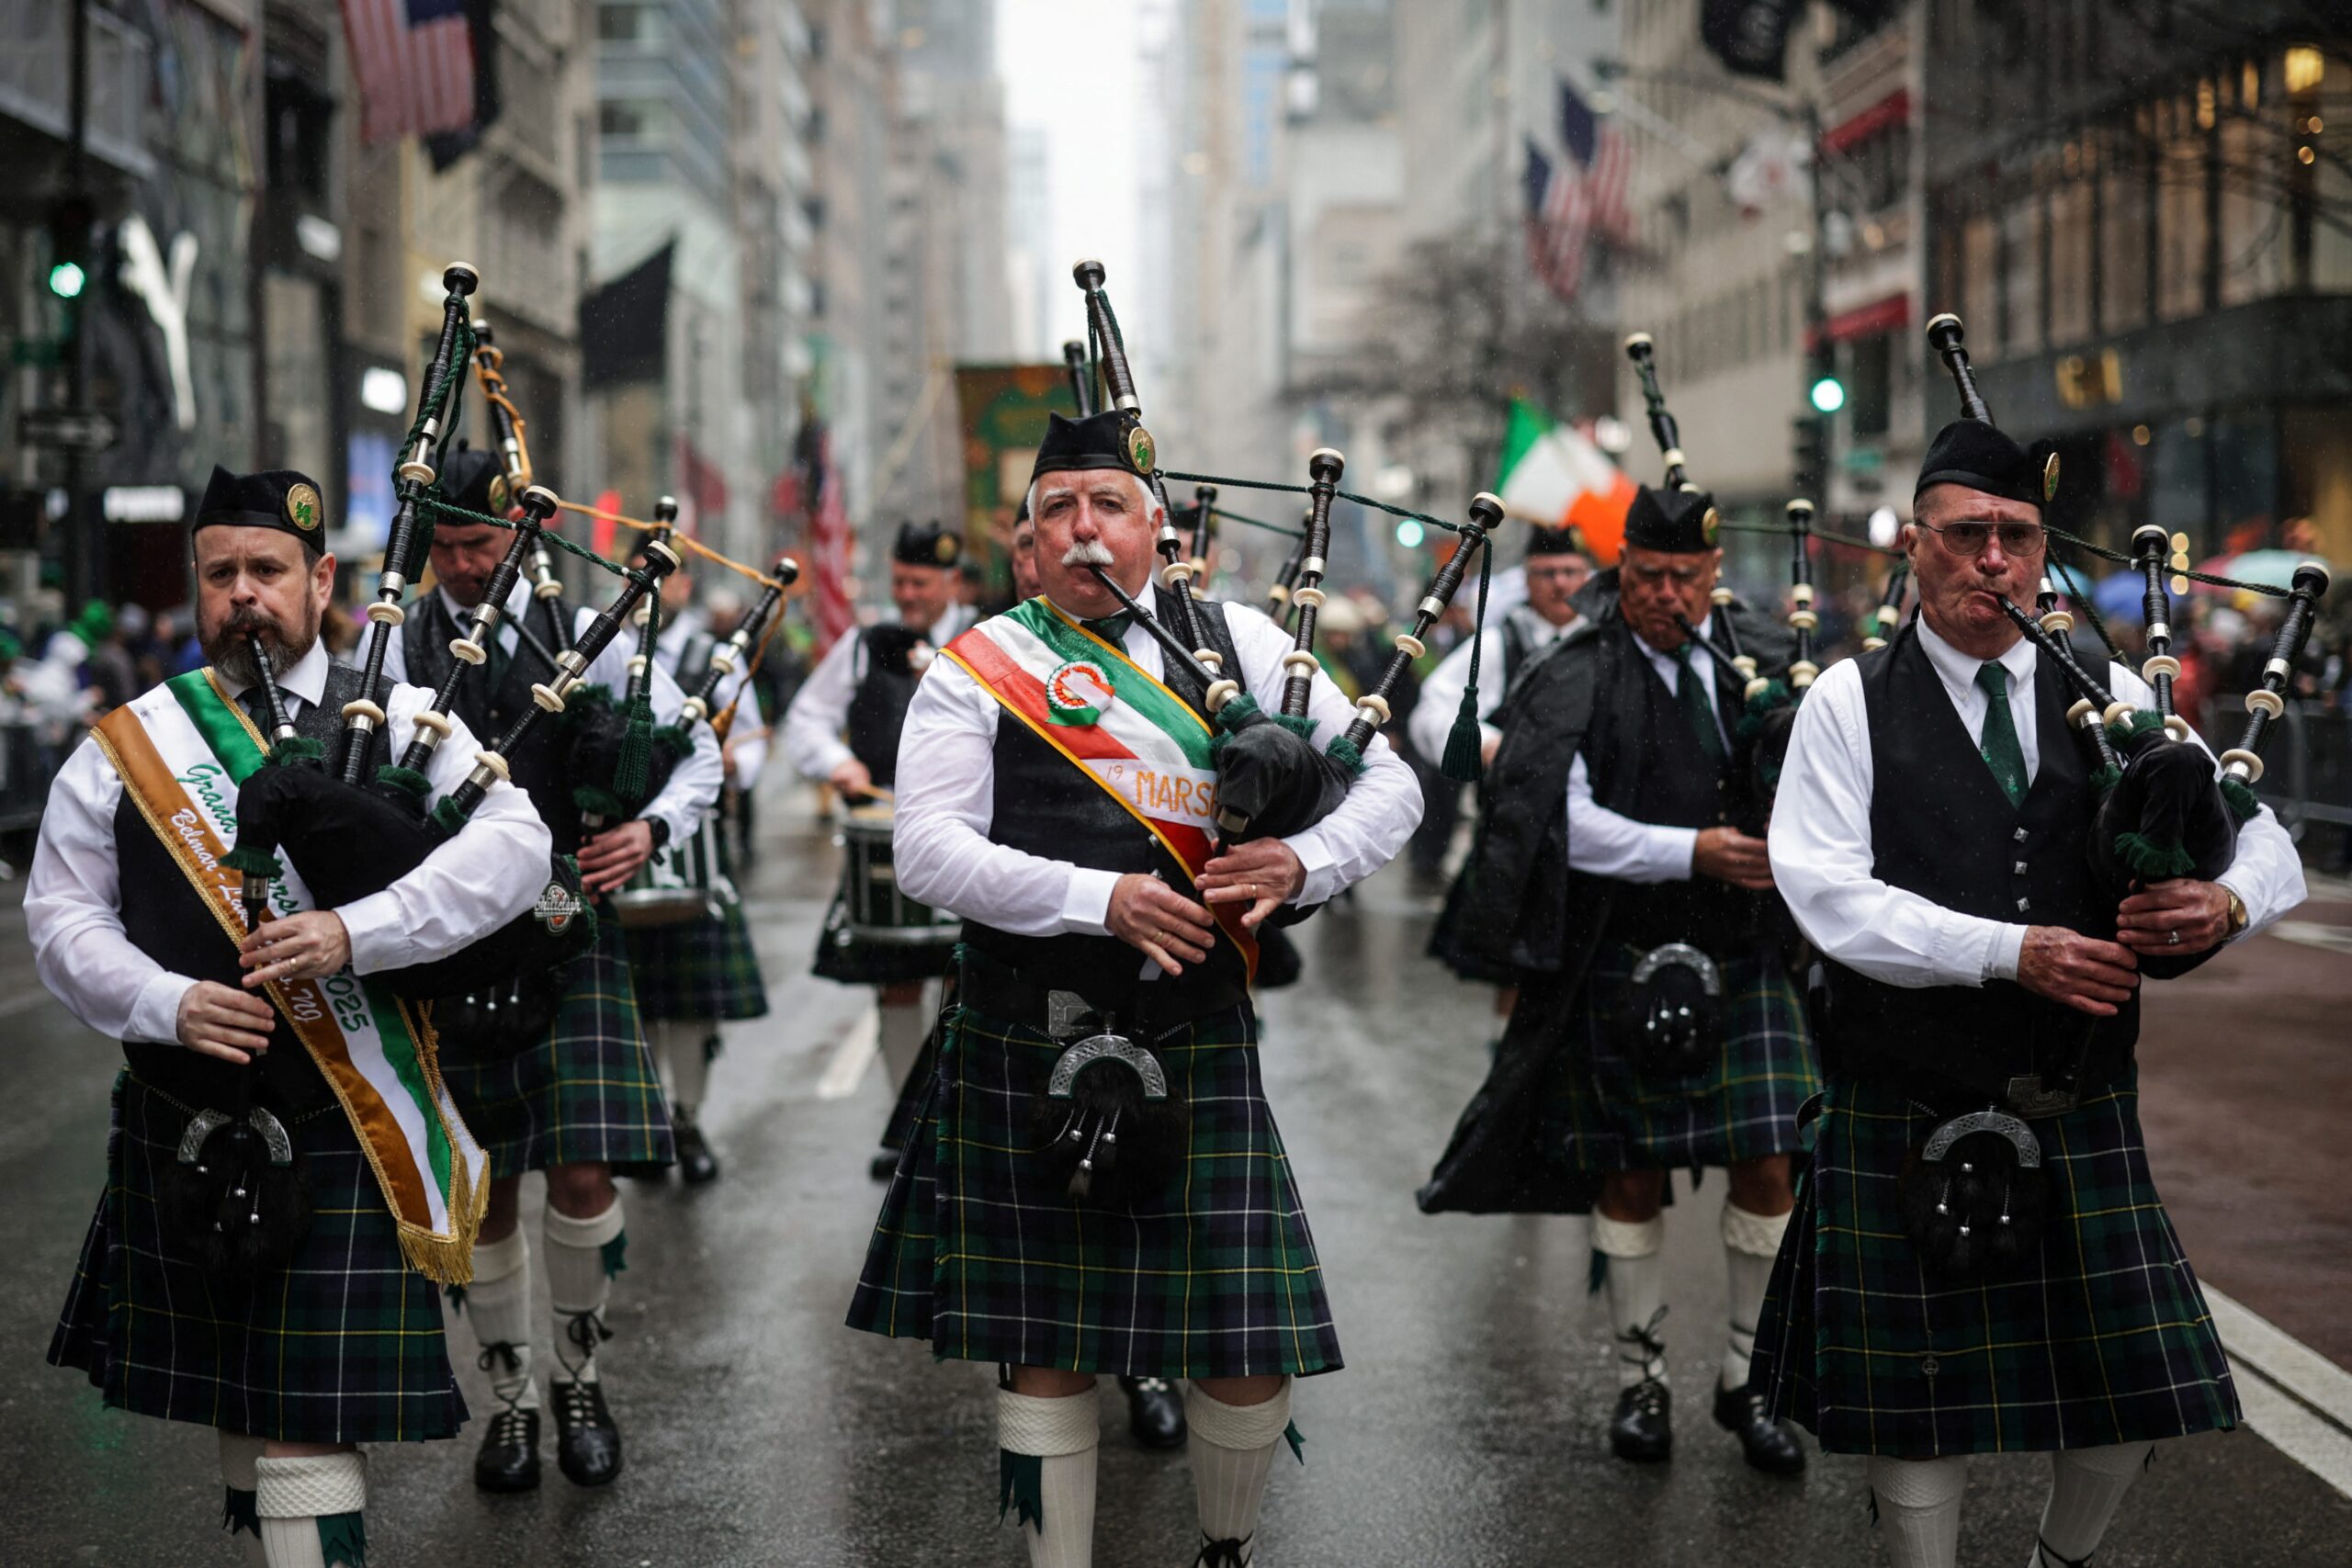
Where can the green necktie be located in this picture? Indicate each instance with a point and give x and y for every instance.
(1999, 744)
(1112, 629)
(1692, 692)
(496, 666)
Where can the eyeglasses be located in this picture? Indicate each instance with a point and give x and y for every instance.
(1968, 539)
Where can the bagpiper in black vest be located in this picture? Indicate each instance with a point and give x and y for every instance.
(538, 764)
(1045, 805)
(167, 918)
(877, 705)
(1940, 826)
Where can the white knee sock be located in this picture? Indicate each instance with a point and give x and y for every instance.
(902, 1030)
(312, 1511)
(1750, 1243)
(240, 1515)
(1050, 1443)
(1232, 1448)
(2085, 1486)
(1636, 1281)
(498, 1305)
(1918, 1509)
(682, 1053)
(579, 1282)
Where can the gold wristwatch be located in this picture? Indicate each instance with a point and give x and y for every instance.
(2238, 917)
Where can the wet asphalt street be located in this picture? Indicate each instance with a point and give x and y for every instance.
(1465, 1431)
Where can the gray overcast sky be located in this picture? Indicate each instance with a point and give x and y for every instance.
(1071, 67)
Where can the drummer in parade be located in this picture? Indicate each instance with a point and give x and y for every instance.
(842, 729)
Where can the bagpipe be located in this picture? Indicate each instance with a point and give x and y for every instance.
(508, 429)
(619, 760)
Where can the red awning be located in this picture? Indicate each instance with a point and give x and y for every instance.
(1891, 110)
(1888, 315)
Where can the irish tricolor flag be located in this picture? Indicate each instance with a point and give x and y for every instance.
(1551, 475)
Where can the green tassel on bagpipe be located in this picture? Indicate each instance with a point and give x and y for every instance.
(254, 863)
(407, 781)
(1343, 751)
(1297, 1441)
(2106, 779)
(447, 817)
(597, 802)
(1775, 695)
(1465, 743)
(2152, 861)
(2239, 797)
(343, 1539)
(298, 749)
(677, 739)
(2141, 721)
(1021, 1488)
(1299, 724)
(579, 699)
(633, 771)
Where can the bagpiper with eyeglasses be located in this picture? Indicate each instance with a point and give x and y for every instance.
(1980, 1262)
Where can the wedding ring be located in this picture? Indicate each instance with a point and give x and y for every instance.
(2171, 939)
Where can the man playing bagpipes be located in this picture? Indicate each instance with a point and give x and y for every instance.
(568, 1087)
(287, 1188)
(1057, 792)
(1980, 1262)
(1655, 1029)
(692, 976)
(842, 728)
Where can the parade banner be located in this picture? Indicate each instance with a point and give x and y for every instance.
(182, 750)
(1002, 410)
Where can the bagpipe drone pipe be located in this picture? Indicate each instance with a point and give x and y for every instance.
(508, 428)
(2162, 808)
(619, 760)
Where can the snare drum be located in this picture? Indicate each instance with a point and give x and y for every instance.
(879, 912)
(679, 884)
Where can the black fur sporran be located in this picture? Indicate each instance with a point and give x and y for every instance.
(1975, 1199)
(1672, 1023)
(1109, 1122)
(238, 1198)
(502, 1020)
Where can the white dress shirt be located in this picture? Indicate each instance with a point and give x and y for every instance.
(464, 890)
(1602, 842)
(946, 800)
(748, 740)
(693, 786)
(812, 725)
(1822, 856)
(1441, 696)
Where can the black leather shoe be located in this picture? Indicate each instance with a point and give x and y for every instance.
(1155, 1412)
(885, 1165)
(508, 1460)
(1643, 1429)
(1770, 1446)
(587, 1444)
(696, 1164)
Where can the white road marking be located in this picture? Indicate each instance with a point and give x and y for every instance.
(2296, 1398)
(846, 1067)
(2314, 933)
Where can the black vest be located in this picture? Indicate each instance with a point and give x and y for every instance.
(1677, 784)
(694, 662)
(165, 919)
(1941, 827)
(1046, 805)
(877, 704)
(540, 763)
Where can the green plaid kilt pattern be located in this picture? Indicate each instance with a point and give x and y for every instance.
(2105, 1339)
(587, 1094)
(342, 1347)
(1608, 1114)
(978, 1251)
(698, 969)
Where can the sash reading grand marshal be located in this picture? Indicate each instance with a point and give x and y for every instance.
(1141, 742)
(182, 750)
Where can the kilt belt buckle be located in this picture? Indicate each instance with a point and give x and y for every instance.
(1068, 1015)
(2025, 1097)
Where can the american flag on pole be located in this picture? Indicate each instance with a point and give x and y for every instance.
(414, 59)
(816, 487)
(1569, 201)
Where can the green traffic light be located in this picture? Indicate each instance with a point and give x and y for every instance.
(66, 281)
(1830, 394)
(1409, 533)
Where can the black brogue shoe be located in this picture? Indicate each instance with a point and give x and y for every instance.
(1641, 1431)
(1769, 1446)
(696, 1165)
(587, 1443)
(1155, 1412)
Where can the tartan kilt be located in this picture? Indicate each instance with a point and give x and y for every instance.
(842, 957)
(586, 1094)
(978, 1250)
(2104, 1340)
(698, 969)
(1608, 1114)
(344, 1345)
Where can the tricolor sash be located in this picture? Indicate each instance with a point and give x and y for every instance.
(1141, 742)
(183, 750)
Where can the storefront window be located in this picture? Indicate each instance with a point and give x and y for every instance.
(298, 429)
